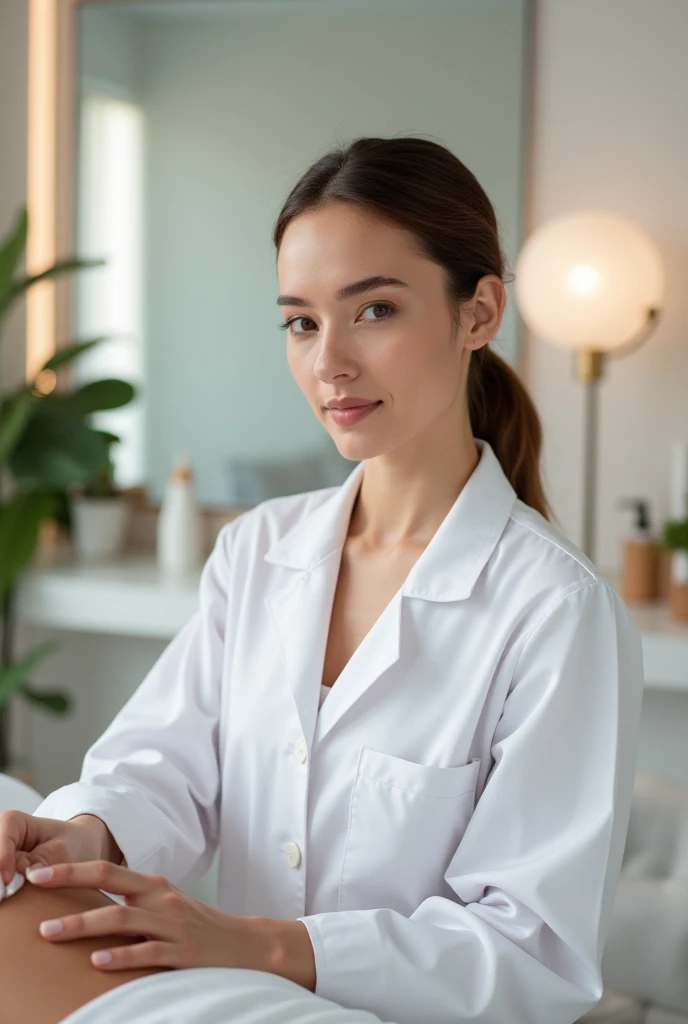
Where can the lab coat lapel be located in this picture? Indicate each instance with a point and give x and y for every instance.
(301, 610)
(377, 652)
(446, 571)
(301, 617)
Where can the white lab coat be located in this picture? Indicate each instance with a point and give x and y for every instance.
(450, 825)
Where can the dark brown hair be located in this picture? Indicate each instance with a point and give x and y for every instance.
(425, 189)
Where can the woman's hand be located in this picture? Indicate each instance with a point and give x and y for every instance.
(177, 930)
(27, 840)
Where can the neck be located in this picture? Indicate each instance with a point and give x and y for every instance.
(403, 499)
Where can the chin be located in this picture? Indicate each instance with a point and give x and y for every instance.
(358, 448)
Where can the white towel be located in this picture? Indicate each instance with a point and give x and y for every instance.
(215, 995)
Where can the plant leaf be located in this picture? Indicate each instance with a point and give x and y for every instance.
(58, 703)
(12, 676)
(71, 352)
(14, 415)
(18, 287)
(110, 438)
(20, 520)
(66, 266)
(109, 393)
(675, 535)
(55, 452)
(11, 250)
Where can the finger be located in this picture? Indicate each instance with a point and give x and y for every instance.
(96, 874)
(25, 861)
(10, 837)
(114, 920)
(140, 954)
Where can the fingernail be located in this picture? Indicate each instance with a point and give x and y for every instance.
(39, 874)
(50, 927)
(101, 957)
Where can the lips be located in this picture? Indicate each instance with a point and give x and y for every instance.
(351, 403)
(354, 414)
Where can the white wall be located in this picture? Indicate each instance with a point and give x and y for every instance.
(610, 130)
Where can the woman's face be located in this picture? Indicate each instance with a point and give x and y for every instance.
(394, 344)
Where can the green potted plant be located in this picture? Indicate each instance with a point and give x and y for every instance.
(47, 445)
(674, 538)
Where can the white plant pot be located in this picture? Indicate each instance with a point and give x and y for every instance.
(99, 526)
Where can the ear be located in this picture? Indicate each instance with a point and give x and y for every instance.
(486, 309)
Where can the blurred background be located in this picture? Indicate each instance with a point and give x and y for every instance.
(145, 398)
(162, 138)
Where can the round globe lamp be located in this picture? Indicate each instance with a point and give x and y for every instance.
(590, 281)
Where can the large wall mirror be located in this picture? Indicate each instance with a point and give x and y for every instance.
(194, 119)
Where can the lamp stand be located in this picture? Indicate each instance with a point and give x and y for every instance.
(589, 364)
(589, 369)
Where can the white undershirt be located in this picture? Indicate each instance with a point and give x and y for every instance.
(324, 690)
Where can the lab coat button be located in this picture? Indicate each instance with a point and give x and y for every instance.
(301, 751)
(293, 855)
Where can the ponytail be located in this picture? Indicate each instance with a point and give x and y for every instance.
(502, 413)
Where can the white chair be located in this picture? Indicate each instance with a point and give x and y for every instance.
(17, 795)
(645, 962)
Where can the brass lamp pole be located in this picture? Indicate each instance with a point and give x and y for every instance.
(589, 369)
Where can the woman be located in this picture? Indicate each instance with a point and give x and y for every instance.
(442, 838)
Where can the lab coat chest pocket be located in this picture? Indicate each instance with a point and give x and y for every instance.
(405, 823)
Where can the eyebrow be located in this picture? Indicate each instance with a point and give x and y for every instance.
(347, 291)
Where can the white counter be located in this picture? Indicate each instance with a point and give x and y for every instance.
(131, 597)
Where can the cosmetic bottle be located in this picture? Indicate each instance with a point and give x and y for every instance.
(179, 523)
(640, 559)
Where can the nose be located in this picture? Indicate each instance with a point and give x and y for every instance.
(333, 357)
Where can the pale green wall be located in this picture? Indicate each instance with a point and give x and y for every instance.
(110, 49)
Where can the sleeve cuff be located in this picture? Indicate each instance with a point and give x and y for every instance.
(343, 943)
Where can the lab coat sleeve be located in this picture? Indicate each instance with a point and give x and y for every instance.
(153, 775)
(537, 868)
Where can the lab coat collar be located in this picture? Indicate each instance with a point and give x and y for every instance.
(449, 566)
(445, 571)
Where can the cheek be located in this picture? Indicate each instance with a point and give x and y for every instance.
(419, 371)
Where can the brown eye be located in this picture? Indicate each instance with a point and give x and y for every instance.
(288, 323)
(388, 309)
